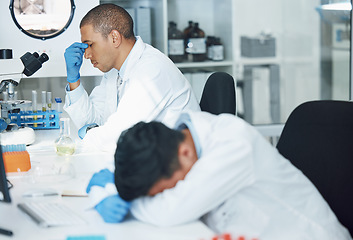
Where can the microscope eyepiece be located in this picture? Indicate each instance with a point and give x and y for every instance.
(33, 62)
(43, 58)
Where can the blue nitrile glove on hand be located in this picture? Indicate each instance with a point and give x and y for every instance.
(82, 131)
(74, 58)
(113, 209)
(100, 178)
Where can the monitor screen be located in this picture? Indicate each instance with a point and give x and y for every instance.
(4, 188)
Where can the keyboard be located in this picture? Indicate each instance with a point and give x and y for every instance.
(51, 214)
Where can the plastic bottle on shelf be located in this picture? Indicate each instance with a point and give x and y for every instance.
(196, 44)
(217, 50)
(209, 44)
(175, 43)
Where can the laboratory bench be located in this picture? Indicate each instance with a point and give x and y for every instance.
(71, 175)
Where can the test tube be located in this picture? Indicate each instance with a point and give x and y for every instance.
(5, 96)
(34, 100)
(44, 101)
(34, 106)
(49, 100)
(58, 104)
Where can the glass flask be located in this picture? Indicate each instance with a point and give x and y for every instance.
(64, 145)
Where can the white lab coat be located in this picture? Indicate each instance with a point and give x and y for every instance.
(151, 85)
(241, 184)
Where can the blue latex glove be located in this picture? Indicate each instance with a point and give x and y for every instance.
(100, 178)
(82, 131)
(113, 209)
(74, 58)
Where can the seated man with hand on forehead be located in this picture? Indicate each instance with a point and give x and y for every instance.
(219, 169)
(140, 83)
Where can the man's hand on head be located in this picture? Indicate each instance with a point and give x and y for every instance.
(74, 58)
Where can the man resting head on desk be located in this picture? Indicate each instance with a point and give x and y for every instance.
(219, 169)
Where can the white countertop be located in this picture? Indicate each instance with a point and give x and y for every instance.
(76, 173)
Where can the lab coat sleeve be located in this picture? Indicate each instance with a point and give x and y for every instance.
(143, 100)
(89, 109)
(213, 179)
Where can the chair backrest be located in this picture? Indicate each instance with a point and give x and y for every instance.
(218, 95)
(318, 139)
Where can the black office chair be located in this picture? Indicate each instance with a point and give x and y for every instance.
(318, 139)
(218, 95)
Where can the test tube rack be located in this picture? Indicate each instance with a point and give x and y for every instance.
(36, 120)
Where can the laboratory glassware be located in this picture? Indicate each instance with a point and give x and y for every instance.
(64, 145)
(175, 43)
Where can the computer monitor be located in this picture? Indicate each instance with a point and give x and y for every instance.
(4, 188)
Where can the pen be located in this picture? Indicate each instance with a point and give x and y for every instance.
(40, 194)
(5, 232)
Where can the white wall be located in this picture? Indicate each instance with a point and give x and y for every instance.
(52, 75)
(295, 25)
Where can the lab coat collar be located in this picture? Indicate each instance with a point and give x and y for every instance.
(185, 120)
(134, 55)
(123, 67)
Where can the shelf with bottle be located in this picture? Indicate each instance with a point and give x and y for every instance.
(192, 46)
(209, 24)
(214, 19)
(206, 64)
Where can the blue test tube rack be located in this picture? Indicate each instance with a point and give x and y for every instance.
(45, 120)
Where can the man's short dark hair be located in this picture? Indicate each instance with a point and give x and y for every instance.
(145, 153)
(108, 17)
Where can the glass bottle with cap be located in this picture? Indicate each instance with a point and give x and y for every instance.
(196, 44)
(186, 34)
(64, 145)
(175, 43)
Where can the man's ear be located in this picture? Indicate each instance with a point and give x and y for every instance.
(116, 38)
(185, 154)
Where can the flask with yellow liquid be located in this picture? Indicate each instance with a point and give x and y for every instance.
(64, 145)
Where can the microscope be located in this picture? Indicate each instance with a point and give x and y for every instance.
(11, 72)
